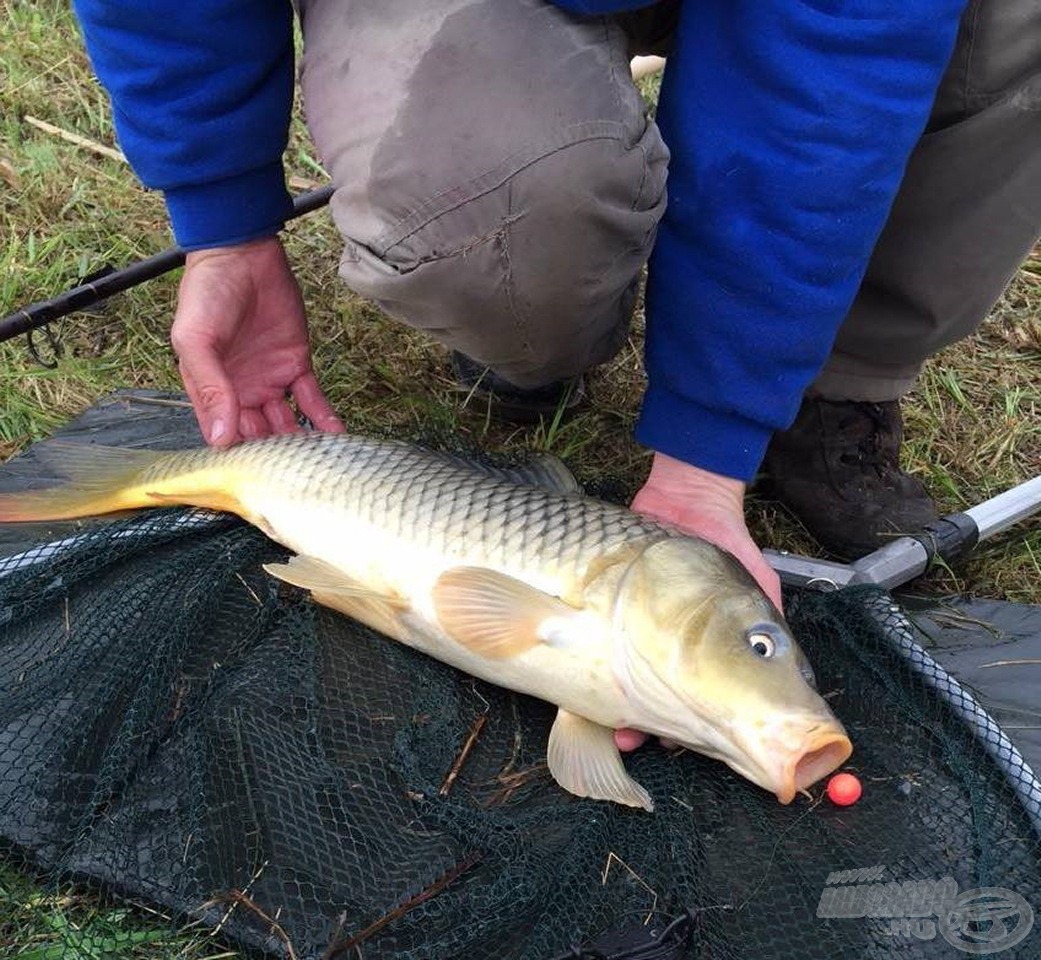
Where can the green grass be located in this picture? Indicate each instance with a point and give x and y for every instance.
(38, 923)
(973, 422)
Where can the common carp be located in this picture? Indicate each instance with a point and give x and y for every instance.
(514, 576)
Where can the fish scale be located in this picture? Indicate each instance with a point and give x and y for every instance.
(435, 502)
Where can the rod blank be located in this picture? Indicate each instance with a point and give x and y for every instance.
(93, 292)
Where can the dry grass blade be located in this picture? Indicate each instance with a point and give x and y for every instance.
(80, 141)
(612, 859)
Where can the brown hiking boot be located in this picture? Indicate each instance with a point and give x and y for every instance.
(837, 468)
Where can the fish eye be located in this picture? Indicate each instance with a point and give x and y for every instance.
(765, 640)
(762, 644)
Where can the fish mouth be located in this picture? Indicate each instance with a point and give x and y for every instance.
(821, 754)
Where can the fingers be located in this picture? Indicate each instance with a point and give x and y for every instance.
(313, 404)
(706, 505)
(212, 396)
(767, 578)
(627, 739)
(253, 424)
(280, 417)
(240, 334)
(224, 421)
(741, 545)
(277, 417)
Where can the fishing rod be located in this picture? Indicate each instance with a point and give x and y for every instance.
(101, 286)
(905, 558)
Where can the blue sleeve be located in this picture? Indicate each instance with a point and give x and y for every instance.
(790, 123)
(201, 94)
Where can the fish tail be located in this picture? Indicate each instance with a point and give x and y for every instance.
(109, 479)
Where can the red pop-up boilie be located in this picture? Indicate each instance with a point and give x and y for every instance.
(844, 789)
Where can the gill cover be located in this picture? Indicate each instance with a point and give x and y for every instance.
(716, 668)
(677, 587)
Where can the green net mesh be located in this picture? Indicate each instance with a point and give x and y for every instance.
(177, 728)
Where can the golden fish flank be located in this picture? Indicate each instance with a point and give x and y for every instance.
(513, 576)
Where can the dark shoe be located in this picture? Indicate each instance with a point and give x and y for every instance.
(837, 468)
(510, 402)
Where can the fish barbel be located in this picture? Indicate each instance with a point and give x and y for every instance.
(513, 576)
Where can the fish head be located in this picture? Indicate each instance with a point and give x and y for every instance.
(709, 661)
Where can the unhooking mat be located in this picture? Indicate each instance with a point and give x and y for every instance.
(177, 727)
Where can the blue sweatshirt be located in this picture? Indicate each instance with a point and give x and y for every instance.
(789, 121)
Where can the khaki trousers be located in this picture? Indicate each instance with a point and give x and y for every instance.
(498, 183)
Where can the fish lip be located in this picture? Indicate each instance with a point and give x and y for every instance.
(821, 753)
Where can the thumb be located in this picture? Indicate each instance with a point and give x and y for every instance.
(212, 396)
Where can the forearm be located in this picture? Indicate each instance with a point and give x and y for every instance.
(201, 93)
(789, 129)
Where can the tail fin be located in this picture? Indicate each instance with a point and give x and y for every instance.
(101, 480)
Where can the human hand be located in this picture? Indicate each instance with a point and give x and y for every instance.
(707, 505)
(240, 335)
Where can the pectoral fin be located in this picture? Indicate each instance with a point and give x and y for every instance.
(584, 760)
(332, 588)
(495, 615)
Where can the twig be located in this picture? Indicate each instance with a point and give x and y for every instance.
(475, 732)
(513, 781)
(237, 897)
(180, 692)
(75, 138)
(341, 946)
(222, 899)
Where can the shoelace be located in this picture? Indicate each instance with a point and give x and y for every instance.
(871, 420)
